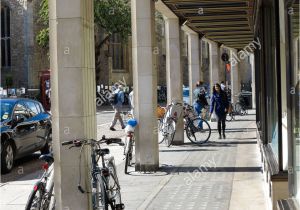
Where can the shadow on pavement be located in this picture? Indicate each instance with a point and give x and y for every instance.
(186, 150)
(26, 168)
(187, 169)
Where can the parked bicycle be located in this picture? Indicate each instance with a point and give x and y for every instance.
(104, 183)
(167, 125)
(42, 195)
(197, 129)
(129, 143)
(241, 106)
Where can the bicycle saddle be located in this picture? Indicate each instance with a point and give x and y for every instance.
(47, 158)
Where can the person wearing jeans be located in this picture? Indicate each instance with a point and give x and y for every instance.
(117, 108)
(219, 104)
(199, 102)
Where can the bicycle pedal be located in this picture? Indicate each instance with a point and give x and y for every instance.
(120, 206)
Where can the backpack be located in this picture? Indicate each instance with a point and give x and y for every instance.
(202, 99)
(113, 99)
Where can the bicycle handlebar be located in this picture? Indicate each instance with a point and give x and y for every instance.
(78, 143)
(67, 143)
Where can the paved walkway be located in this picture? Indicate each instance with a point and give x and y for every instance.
(223, 174)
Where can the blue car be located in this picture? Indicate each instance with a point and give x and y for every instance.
(25, 128)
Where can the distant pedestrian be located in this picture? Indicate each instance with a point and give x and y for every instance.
(200, 101)
(219, 105)
(131, 98)
(118, 96)
(223, 86)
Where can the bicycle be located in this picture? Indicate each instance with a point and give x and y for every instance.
(240, 106)
(197, 129)
(168, 124)
(104, 183)
(128, 148)
(42, 195)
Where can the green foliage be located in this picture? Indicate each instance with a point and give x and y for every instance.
(112, 15)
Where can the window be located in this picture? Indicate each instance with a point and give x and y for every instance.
(21, 110)
(5, 37)
(32, 108)
(294, 36)
(118, 52)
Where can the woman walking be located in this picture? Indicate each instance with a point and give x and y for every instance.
(219, 104)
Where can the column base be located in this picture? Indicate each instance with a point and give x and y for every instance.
(146, 167)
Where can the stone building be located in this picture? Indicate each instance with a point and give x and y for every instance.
(21, 57)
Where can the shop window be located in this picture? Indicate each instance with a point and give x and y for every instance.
(5, 37)
(294, 36)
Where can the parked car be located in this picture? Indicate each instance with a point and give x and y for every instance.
(25, 129)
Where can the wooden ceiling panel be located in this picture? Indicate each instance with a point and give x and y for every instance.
(224, 21)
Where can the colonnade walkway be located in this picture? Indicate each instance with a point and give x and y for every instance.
(222, 174)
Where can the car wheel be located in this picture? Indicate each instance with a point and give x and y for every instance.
(7, 157)
(48, 146)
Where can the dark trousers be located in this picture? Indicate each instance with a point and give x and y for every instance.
(221, 121)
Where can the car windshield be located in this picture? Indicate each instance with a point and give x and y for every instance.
(6, 110)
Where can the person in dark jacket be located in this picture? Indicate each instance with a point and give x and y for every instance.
(219, 105)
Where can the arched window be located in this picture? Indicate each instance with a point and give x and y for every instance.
(5, 37)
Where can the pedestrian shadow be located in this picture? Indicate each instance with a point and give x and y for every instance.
(228, 143)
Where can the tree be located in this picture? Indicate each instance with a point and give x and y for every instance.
(111, 15)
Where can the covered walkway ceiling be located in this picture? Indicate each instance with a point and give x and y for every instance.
(227, 22)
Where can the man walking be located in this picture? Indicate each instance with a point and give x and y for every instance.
(118, 100)
(200, 101)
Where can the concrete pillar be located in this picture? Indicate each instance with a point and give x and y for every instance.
(214, 58)
(193, 58)
(253, 80)
(194, 62)
(174, 70)
(144, 84)
(73, 96)
(235, 82)
(201, 61)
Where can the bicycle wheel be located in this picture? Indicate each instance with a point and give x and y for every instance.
(159, 129)
(101, 201)
(238, 108)
(35, 200)
(128, 156)
(169, 132)
(198, 131)
(114, 187)
(244, 111)
(229, 117)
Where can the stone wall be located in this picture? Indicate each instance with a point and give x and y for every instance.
(27, 58)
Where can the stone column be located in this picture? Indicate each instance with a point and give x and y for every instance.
(214, 58)
(144, 84)
(194, 59)
(253, 80)
(73, 96)
(234, 73)
(174, 70)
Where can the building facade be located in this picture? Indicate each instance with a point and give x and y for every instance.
(21, 57)
(277, 96)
